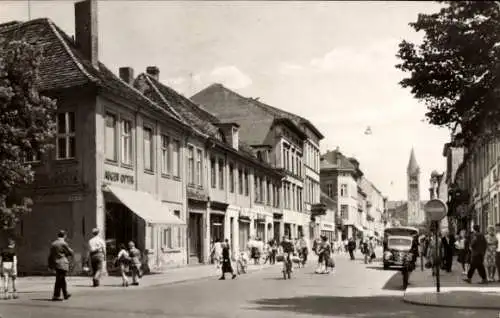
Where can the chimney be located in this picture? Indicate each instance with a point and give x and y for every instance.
(127, 75)
(86, 36)
(154, 72)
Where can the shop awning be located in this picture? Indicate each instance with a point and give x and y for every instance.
(145, 206)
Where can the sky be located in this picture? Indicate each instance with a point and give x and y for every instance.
(330, 62)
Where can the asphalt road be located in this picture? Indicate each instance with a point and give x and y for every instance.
(353, 290)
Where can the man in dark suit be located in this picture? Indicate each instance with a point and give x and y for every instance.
(478, 247)
(448, 243)
(59, 262)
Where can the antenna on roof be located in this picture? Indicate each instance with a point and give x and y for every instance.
(29, 10)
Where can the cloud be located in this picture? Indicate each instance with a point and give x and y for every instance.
(379, 55)
(229, 76)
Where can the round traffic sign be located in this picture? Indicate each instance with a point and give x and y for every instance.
(435, 209)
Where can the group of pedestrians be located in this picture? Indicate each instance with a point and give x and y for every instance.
(476, 251)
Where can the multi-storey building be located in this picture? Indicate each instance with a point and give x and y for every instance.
(231, 193)
(288, 142)
(374, 208)
(103, 170)
(339, 179)
(136, 160)
(474, 193)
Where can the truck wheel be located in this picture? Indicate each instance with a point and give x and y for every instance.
(386, 266)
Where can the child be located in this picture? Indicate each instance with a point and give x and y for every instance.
(123, 261)
(8, 261)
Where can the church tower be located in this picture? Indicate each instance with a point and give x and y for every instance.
(415, 213)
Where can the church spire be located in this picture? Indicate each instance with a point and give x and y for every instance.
(412, 164)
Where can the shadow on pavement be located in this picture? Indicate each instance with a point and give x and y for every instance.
(395, 282)
(375, 307)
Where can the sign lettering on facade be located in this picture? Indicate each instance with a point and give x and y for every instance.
(116, 177)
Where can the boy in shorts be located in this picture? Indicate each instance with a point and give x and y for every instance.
(8, 268)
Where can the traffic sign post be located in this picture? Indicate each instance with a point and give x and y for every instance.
(436, 210)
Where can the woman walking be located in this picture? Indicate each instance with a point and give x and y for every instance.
(226, 261)
(489, 257)
(461, 252)
(135, 263)
(217, 253)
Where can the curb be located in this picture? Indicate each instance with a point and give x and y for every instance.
(78, 289)
(456, 306)
(423, 304)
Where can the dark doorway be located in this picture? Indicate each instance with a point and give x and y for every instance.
(217, 227)
(195, 244)
(121, 225)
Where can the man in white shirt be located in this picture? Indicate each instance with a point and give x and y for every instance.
(497, 254)
(303, 249)
(97, 255)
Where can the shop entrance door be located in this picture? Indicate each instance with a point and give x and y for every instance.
(195, 245)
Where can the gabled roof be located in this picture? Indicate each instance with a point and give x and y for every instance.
(336, 160)
(201, 120)
(273, 111)
(63, 66)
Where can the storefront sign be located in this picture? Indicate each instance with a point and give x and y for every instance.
(59, 176)
(116, 177)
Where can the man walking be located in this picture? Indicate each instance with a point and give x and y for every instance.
(58, 261)
(448, 243)
(303, 249)
(97, 251)
(478, 248)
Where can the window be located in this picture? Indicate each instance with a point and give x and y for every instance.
(199, 167)
(126, 142)
(176, 146)
(148, 149)
(343, 190)
(256, 190)
(344, 211)
(65, 146)
(284, 158)
(110, 135)
(246, 183)
(268, 196)
(213, 173)
(231, 178)
(221, 174)
(32, 156)
(240, 181)
(292, 169)
(167, 238)
(190, 164)
(165, 154)
(262, 188)
(285, 192)
(329, 190)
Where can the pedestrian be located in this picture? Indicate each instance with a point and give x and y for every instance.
(351, 246)
(59, 255)
(217, 252)
(462, 253)
(497, 254)
(365, 249)
(448, 243)
(489, 257)
(303, 249)
(135, 263)
(123, 262)
(273, 245)
(8, 268)
(226, 261)
(97, 256)
(432, 259)
(478, 247)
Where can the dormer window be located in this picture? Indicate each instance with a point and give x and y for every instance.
(259, 155)
(220, 136)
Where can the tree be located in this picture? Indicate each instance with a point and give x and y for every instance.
(455, 70)
(27, 125)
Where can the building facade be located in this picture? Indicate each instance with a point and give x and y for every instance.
(285, 141)
(374, 218)
(136, 160)
(232, 191)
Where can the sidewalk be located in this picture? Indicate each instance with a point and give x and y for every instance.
(454, 292)
(36, 284)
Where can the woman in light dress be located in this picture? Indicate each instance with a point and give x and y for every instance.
(489, 257)
(217, 253)
(461, 251)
